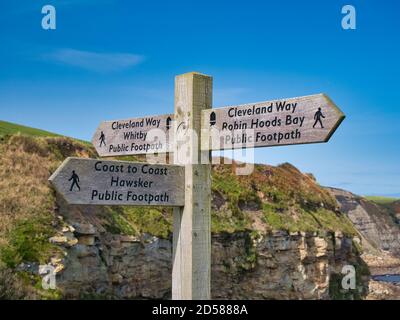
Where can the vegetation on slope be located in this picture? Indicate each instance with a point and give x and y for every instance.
(8, 128)
(27, 202)
(381, 200)
(388, 207)
(271, 198)
(282, 197)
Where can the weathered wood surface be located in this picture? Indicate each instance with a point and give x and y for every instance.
(133, 136)
(271, 123)
(191, 270)
(99, 182)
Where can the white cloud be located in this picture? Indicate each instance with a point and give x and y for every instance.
(95, 61)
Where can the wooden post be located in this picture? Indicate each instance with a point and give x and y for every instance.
(191, 270)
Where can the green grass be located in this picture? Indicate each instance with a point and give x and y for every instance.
(233, 219)
(381, 200)
(29, 241)
(389, 204)
(136, 220)
(8, 128)
(306, 220)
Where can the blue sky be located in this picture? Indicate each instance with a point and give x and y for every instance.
(112, 59)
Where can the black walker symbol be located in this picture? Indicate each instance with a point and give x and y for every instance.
(317, 117)
(75, 180)
(102, 138)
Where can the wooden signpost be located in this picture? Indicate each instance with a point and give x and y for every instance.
(133, 136)
(188, 135)
(94, 181)
(191, 268)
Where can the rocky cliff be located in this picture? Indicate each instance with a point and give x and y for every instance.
(378, 224)
(277, 265)
(276, 234)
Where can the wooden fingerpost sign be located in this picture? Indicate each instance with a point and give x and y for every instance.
(94, 181)
(309, 119)
(191, 269)
(133, 136)
(189, 135)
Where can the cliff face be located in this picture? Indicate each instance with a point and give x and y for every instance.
(379, 225)
(277, 265)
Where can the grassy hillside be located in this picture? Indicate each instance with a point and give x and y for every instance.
(390, 205)
(382, 200)
(8, 128)
(271, 198)
(28, 204)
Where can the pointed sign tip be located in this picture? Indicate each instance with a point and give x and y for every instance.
(337, 124)
(333, 105)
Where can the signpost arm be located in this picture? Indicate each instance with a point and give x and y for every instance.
(191, 270)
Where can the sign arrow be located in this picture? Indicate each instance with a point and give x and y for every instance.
(133, 136)
(309, 119)
(95, 181)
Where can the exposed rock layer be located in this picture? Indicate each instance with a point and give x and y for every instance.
(277, 265)
(375, 223)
